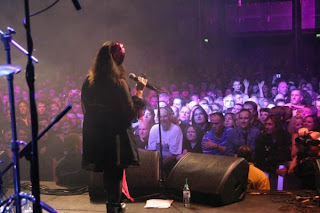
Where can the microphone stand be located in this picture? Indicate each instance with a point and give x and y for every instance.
(160, 140)
(162, 179)
(34, 117)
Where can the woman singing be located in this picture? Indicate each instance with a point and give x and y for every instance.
(108, 142)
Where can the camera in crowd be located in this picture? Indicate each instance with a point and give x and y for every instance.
(308, 144)
(308, 156)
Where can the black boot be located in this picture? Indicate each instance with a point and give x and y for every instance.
(116, 207)
(111, 208)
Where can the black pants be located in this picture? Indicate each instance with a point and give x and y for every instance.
(112, 181)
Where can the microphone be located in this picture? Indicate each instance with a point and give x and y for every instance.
(76, 4)
(150, 86)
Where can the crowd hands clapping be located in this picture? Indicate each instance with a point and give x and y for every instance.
(258, 120)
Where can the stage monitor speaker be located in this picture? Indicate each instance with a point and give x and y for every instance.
(143, 180)
(214, 180)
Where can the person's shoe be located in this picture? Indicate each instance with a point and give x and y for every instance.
(123, 207)
(111, 208)
(116, 207)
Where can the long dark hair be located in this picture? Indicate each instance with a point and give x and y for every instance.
(104, 67)
(198, 107)
(278, 123)
(198, 137)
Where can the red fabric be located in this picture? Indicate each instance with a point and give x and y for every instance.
(125, 189)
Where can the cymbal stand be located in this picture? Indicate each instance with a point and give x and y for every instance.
(16, 197)
(6, 38)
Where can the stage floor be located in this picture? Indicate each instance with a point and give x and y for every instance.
(266, 203)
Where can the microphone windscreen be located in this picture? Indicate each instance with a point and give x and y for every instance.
(132, 76)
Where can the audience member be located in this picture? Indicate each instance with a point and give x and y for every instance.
(264, 112)
(242, 134)
(200, 120)
(283, 88)
(55, 91)
(310, 123)
(68, 170)
(273, 149)
(229, 120)
(172, 138)
(257, 179)
(214, 142)
(253, 108)
(191, 142)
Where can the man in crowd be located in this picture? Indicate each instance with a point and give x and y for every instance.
(236, 85)
(214, 141)
(184, 117)
(283, 88)
(228, 102)
(153, 102)
(264, 112)
(253, 108)
(195, 97)
(237, 98)
(257, 179)
(42, 114)
(165, 98)
(295, 101)
(178, 102)
(171, 136)
(244, 134)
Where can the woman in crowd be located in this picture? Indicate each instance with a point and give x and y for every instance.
(311, 124)
(191, 142)
(200, 121)
(148, 117)
(295, 123)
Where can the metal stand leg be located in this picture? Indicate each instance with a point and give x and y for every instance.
(9, 72)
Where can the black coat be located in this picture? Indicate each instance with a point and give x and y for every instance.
(107, 134)
(272, 151)
(196, 149)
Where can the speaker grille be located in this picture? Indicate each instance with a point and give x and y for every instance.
(219, 179)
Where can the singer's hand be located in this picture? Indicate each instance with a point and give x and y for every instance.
(142, 82)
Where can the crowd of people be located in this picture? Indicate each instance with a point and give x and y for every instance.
(195, 117)
(262, 120)
(54, 146)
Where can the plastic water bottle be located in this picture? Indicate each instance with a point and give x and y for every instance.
(186, 194)
(26, 206)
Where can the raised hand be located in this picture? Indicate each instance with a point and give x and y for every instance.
(260, 85)
(246, 83)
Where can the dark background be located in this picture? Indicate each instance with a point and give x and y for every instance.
(164, 39)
